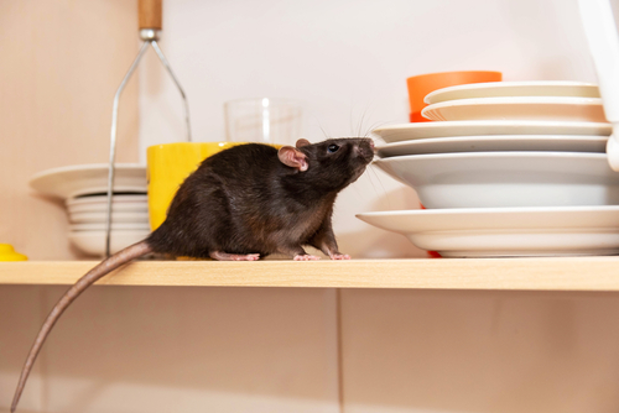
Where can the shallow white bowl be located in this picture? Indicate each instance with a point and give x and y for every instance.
(117, 217)
(524, 231)
(93, 242)
(506, 179)
(103, 208)
(75, 180)
(570, 143)
(102, 226)
(98, 204)
(421, 130)
(103, 199)
(536, 108)
(506, 89)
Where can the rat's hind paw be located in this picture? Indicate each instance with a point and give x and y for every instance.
(235, 257)
(340, 256)
(306, 257)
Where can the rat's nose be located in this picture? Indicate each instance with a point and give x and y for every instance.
(370, 142)
(366, 151)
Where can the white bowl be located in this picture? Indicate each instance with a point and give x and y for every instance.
(117, 217)
(103, 199)
(506, 179)
(98, 204)
(524, 231)
(506, 89)
(422, 130)
(536, 108)
(570, 143)
(103, 208)
(102, 226)
(75, 180)
(93, 242)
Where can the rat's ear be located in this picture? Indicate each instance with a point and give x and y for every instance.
(302, 142)
(292, 157)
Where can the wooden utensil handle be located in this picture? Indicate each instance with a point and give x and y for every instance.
(149, 14)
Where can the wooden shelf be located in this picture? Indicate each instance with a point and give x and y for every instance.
(552, 273)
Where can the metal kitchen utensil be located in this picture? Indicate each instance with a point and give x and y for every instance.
(150, 18)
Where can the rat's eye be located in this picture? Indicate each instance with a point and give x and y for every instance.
(332, 148)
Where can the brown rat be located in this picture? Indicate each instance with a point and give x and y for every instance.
(243, 203)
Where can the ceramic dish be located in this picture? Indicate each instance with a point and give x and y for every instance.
(117, 217)
(144, 225)
(506, 179)
(407, 132)
(505, 89)
(93, 242)
(103, 208)
(535, 108)
(76, 180)
(568, 143)
(98, 204)
(533, 231)
(103, 199)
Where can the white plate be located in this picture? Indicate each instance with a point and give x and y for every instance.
(115, 226)
(528, 88)
(568, 143)
(103, 199)
(93, 242)
(117, 217)
(103, 208)
(75, 180)
(542, 231)
(98, 204)
(506, 179)
(535, 108)
(417, 130)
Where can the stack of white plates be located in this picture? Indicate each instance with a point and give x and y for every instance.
(512, 169)
(83, 189)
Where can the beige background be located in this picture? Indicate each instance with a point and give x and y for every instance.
(157, 349)
(62, 62)
(237, 349)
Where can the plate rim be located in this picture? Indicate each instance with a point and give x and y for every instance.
(498, 154)
(87, 167)
(508, 84)
(53, 182)
(406, 126)
(516, 100)
(495, 210)
(466, 138)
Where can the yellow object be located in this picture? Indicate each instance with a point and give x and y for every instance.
(167, 166)
(8, 254)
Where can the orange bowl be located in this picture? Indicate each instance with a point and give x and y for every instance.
(421, 85)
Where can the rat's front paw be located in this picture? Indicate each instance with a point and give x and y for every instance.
(306, 257)
(340, 256)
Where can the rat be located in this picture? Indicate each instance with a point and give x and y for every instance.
(243, 204)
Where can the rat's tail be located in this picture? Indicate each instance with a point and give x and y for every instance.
(102, 269)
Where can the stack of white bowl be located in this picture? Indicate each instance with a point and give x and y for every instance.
(88, 218)
(83, 188)
(511, 169)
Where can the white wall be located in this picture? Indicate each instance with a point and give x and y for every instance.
(347, 60)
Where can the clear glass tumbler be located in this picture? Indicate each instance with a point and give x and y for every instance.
(264, 120)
